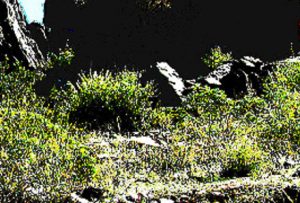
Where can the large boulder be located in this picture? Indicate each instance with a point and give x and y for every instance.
(15, 42)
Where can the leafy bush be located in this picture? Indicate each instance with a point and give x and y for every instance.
(15, 80)
(37, 154)
(216, 58)
(99, 99)
(42, 156)
(206, 101)
(243, 157)
(62, 59)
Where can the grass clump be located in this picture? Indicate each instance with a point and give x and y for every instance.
(243, 157)
(102, 98)
(216, 57)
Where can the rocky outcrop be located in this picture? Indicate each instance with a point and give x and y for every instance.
(15, 42)
(236, 77)
(239, 77)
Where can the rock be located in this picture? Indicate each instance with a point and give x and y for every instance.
(173, 77)
(145, 141)
(15, 41)
(77, 199)
(236, 77)
(239, 77)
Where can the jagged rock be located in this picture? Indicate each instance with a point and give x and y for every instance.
(14, 37)
(77, 199)
(239, 77)
(173, 77)
(236, 77)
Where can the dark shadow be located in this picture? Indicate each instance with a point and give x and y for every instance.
(112, 33)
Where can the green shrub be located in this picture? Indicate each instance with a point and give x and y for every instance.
(272, 120)
(62, 59)
(105, 98)
(41, 154)
(208, 103)
(242, 158)
(216, 58)
(282, 91)
(37, 154)
(167, 118)
(16, 81)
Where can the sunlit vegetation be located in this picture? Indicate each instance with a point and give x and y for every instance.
(216, 57)
(105, 132)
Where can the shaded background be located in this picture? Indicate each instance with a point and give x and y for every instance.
(117, 33)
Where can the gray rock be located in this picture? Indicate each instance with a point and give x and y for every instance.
(239, 77)
(14, 37)
(173, 77)
(236, 77)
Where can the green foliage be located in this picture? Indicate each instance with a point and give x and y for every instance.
(17, 84)
(40, 151)
(206, 101)
(242, 157)
(216, 58)
(63, 59)
(283, 96)
(38, 154)
(44, 156)
(103, 98)
(166, 117)
(262, 128)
